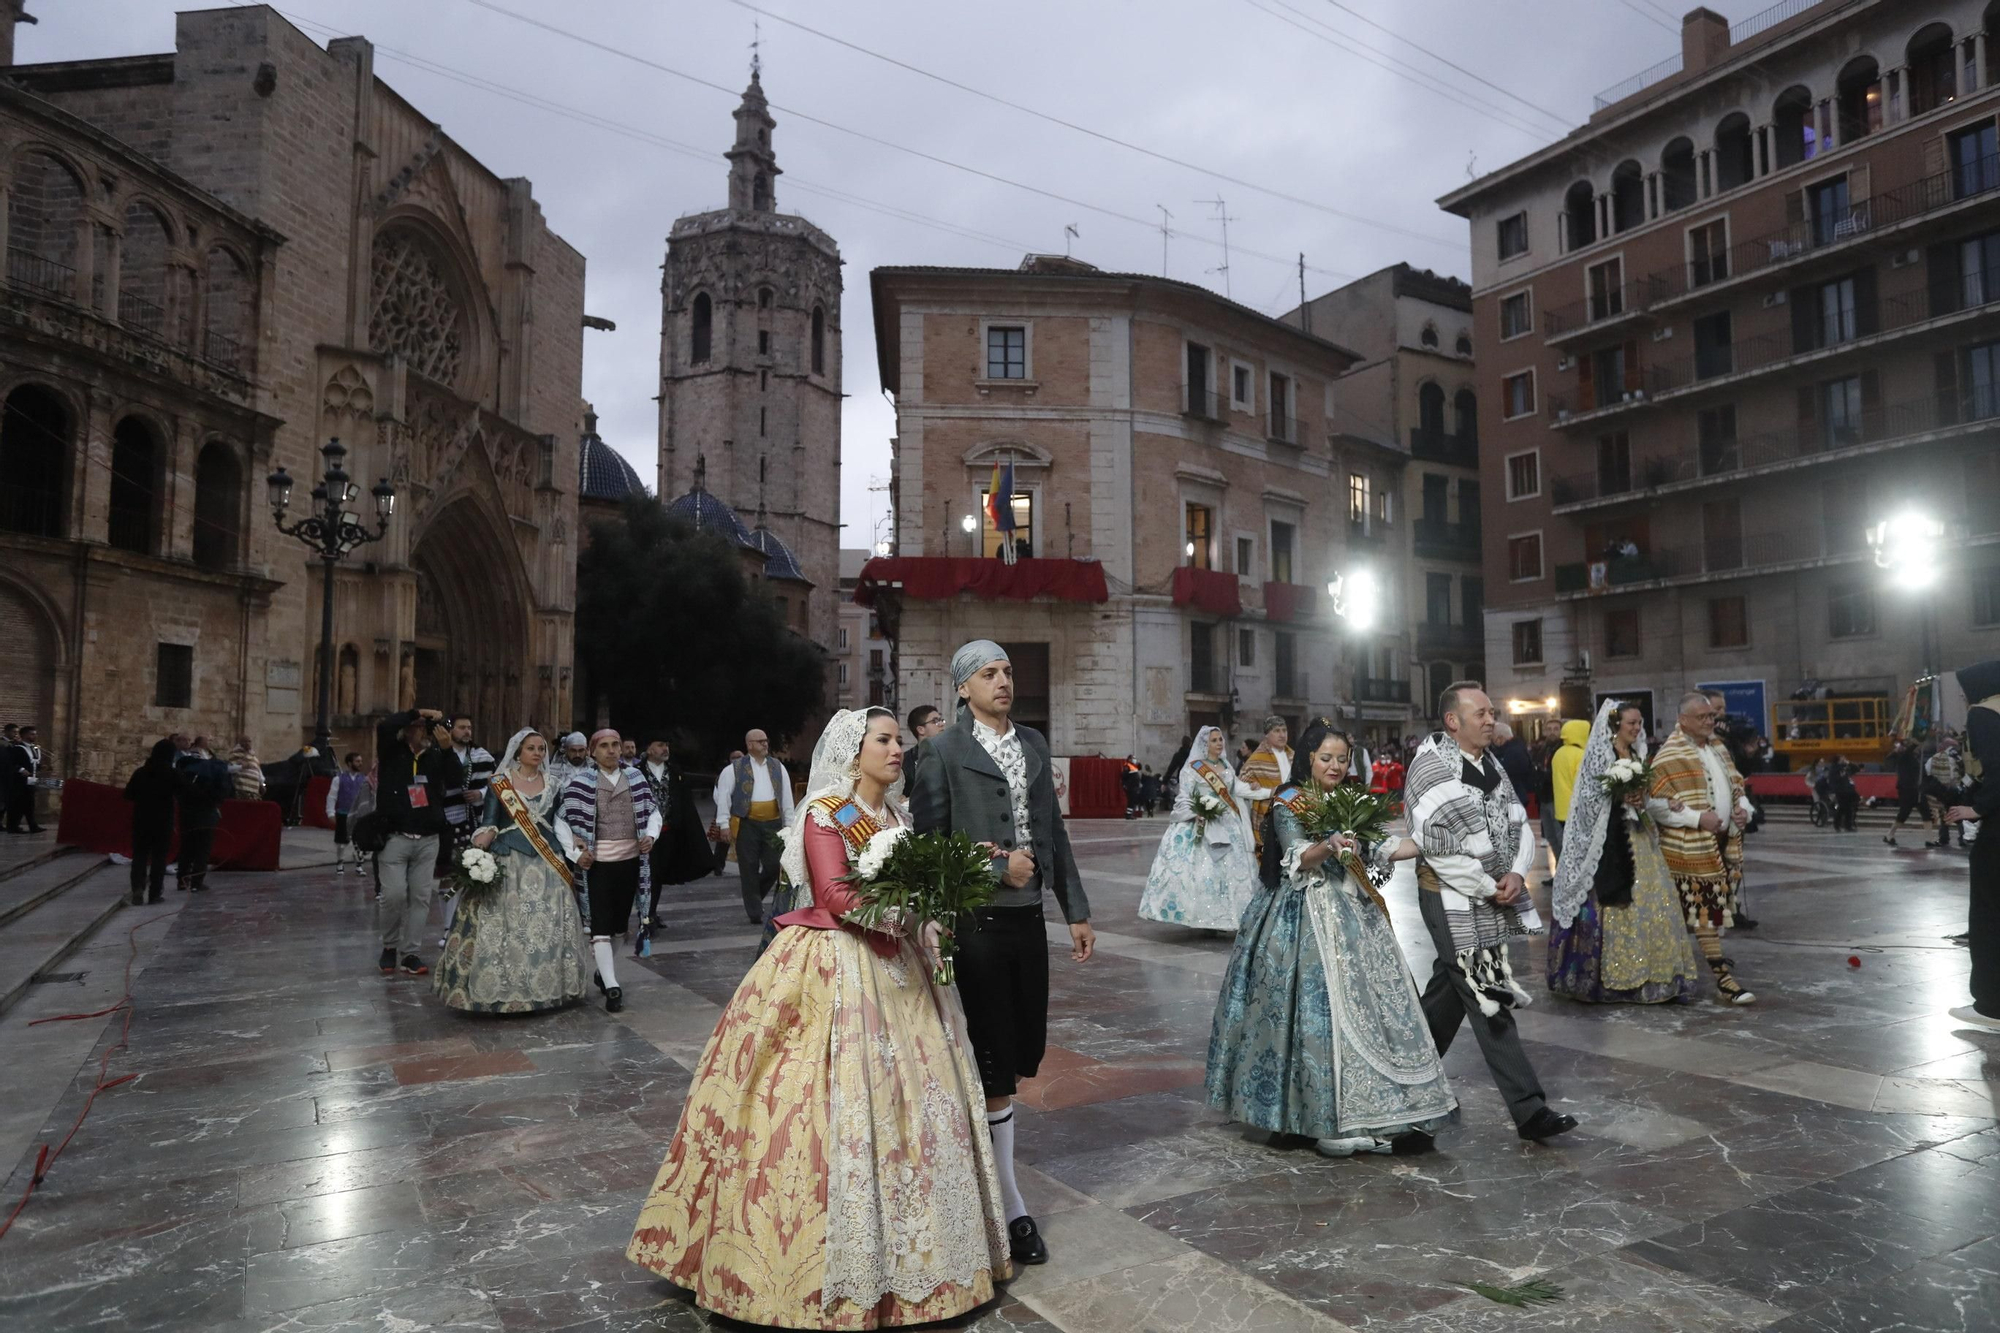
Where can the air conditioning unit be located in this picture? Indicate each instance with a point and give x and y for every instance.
(1562, 363)
(1905, 258)
(1661, 335)
(1775, 298)
(1562, 414)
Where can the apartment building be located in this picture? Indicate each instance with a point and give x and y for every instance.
(861, 676)
(1745, 314)
(1177, 509)
(1414, 396)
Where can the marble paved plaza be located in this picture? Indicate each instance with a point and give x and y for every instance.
(309, 1145)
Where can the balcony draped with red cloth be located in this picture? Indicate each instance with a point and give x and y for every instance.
(98, 818)
(1207, 590)
(933, 577)
(1290, 601)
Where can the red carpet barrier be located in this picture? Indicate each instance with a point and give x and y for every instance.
(314, 814)
(1096, 788)
(1792, 786)
(97, 818)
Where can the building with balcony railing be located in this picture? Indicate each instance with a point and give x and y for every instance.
(216, 258)
(1178, 501)
(1414, 397)
(1749, 310)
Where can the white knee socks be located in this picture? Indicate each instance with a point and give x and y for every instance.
(1000, 1124)
(600, 945)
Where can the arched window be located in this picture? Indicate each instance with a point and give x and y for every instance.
(703, 322)
(1465, 416)
(1734, 164)
(1430, 409)
(226, 336)
(218, 507)
(135, 465)
(819, 341)
(1430, 335)
(1858, 97)
(1792, 126)
(347, 682)
(34, 462)
(1464, 344)
(760, 193)
(1677, 174)
(142, 272)
(44, 222)
(1628, 195)
(1933, 73)
(764, 298)
(1580, 215)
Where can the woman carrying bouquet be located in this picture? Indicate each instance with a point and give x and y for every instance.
(832, 1169)
(1318, 1029)
(515, 945)
(1205, 871)
(1616, 934)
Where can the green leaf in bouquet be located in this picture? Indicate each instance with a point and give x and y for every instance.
(926, 877)
(1348, 808)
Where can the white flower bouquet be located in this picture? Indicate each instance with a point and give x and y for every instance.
(904, 879)
(476, 869)
(1626, 776)
(1206, 806)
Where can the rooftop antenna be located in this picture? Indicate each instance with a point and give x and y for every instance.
(1070, 233)
(756, 53)
(1166, 233)
(1305, 307)
(1222, 216)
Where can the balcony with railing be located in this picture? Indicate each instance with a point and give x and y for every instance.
(1370, 690)
(38, 278)
(1436, 539)
(1601, 310)
(1733, 362)
(1204, 404)
(1372, 529)
(1720, 556)
(1281, 429)
(1441, 446)
(1440, 639)
(1895, 426)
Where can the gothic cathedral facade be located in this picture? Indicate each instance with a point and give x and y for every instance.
(750, 365)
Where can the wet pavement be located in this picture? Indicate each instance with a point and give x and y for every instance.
(309, 1145)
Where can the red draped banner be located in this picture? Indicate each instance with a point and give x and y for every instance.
(98, 819)
(931, 578)
(1208, 590)
(1096, 788)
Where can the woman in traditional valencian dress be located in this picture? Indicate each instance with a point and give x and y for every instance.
(1318, 1029)
(1205, 872)
(515, 945)
(832, 1168)
(1617, 936)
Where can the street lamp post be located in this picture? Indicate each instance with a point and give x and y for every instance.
(329, 530)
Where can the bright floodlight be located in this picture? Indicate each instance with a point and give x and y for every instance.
(969, 523)
(1907, 545)
(1356, 597)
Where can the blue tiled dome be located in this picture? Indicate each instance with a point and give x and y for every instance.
(602, 472)
(705, 513)
(779, 562)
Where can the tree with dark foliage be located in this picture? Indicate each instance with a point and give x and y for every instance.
(678, 641)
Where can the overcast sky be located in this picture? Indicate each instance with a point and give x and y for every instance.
(1251, 89)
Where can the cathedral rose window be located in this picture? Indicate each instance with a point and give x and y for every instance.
(414, 311)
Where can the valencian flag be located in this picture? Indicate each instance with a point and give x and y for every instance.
(1000, 507)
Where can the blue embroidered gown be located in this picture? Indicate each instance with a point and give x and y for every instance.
(1318, 1029)
(1205, 873)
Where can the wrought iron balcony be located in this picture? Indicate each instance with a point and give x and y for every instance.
(1438, 446)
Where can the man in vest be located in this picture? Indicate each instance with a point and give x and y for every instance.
(760, 805)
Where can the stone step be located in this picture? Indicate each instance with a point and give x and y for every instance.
(39, 940)
(28, 887)
(20, 853)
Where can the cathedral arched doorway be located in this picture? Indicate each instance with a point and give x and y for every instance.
(28, 663)
(473, 650)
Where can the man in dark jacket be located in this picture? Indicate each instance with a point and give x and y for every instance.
(995, 782)
(417, 772)
(203, 785)
(1981, 684)
(925, 722)
(151, 791)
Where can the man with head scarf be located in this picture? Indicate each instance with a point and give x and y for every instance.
(994, 781)
(1981, 684)
(1268, 768)
(1701, 834)
(613, 824)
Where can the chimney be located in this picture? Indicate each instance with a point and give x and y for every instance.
(1704, 40)
(11, 13)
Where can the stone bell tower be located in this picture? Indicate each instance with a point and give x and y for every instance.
(750, 362)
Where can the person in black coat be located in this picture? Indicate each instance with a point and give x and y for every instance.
(1511, 753)
(1981, 684)
(202, 785)
(152, 790)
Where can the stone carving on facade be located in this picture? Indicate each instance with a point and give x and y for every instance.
(347, 395)
(413, 311)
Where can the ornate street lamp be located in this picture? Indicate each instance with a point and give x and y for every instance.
(330, 530)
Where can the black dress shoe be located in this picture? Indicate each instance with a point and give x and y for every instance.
(1546, 1124)
(597, 979)
(1746, 923)
(614, 999)
(1025, 1242)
